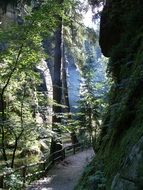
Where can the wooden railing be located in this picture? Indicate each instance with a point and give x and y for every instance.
(31, 172)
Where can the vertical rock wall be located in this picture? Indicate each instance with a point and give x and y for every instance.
(122, 139)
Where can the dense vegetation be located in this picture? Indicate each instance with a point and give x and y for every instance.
(44, 40)
(36, 41)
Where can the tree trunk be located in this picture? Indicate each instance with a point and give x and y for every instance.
(57, 89)
(14, 151)
(2, 126)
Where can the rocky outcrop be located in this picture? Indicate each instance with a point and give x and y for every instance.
(130, 177)
(116, 19)
(122, 138)
(110, 27)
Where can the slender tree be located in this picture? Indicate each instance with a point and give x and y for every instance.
(57, 84)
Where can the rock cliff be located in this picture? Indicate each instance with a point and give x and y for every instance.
(122, 139)
(119, 161)
(121, 39)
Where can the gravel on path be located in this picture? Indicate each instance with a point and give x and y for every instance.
(65, 174)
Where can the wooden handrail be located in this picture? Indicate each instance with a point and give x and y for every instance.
(24, 169)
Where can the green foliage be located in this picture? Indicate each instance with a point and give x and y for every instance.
(92, 102)
(21, 53)
(98, 179)
(93, 177)
(22, 50)
(13, 181)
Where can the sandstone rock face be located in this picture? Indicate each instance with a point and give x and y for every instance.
(116, 20)
(121, 40)
(129, 178)
(110, 28)
(12, 12)
(122, 184)
(7, 16)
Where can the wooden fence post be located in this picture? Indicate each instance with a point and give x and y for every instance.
(82, 148)
(44, 166)
(53, 155)
(2, 181)
(63, 154)
(24, 175)
(74, 149)
(51, 160)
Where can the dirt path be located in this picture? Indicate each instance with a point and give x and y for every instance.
(64, 175)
